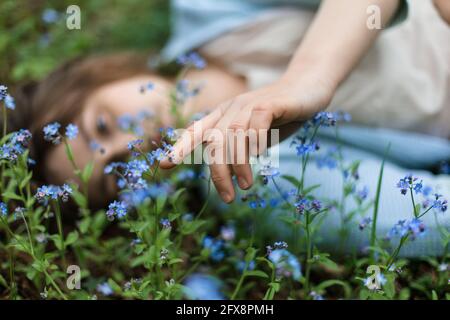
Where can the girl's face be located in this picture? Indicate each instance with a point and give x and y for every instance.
(98, 124)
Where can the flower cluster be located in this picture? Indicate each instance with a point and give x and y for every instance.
(3, 209)
(7, 99)
(276, 246)
(414, 228)
(215, 248)
(51, 192)
(116, 209)
(133, 123)
(165, 223)
(409, 182)
(52, 134)
(15, 146)
(364, 223)
(286, 264)
(303, 204)
(204, 287)
(267, 172)
(192, 59)
(149, 86)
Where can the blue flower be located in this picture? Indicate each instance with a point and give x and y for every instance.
(50, 16)
(257, 203)
(3, 91)
(286, 264)
(187, 174)
(3, 209)
(129, 123)
(9, 102)
(165, 223)
(134, 143)
(440, 204)
(156, 155)
(52, 192)
(192, 59)
(268, 172)
(215, 247)
(110, 168)
(105, 289)
(168, 132)
(136, 168)
(228, 233)
(415, 228)
(95, 146)
(362, 194)
(71, 131)
(326, 119)
(15, 145)
(203, 287)
(51, 132)
(305, 148)
(364, 223)
(409, 183)
(315, 296)
(116, 209)
(240, 265)
(149, 86)
(328, 160)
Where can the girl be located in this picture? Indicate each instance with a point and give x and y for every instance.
(94, 92)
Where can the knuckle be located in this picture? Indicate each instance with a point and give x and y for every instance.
(217, 178)
(235, 126)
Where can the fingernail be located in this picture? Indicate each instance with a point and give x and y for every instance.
(225, 196)
(243, 183)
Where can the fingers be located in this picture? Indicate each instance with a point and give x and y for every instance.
(260, 123)
(238, 147)
(217, 152)
(190, 139)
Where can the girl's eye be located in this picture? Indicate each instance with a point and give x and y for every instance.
(101, 124)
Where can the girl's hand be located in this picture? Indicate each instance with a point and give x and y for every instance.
(335, 42)
(281, 105)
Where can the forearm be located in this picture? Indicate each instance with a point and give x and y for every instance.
(337, 39)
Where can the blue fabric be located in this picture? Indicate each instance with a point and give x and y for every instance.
(195, 22)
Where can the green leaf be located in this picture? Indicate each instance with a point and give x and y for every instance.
(79, 198)
(174, 199)
(26, 180)
(434, 295)
(71, 238)
(87, 172)
(11, 196)
(84, 224)
(334, 282)
(256, 273)
(250, 255)
(294, 181)
(189, 227)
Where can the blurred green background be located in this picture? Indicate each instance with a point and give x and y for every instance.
(34, 38)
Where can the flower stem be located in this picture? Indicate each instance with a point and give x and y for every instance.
(60, 231)
(373, 232)
(308, 252)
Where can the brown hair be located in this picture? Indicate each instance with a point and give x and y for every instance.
(61, 95)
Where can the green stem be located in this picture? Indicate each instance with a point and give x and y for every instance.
(28, 233)
(5, 122)
(34, 258)
(373, 233)
(308, 253)
(397, 251)
(413, 203)
(60, 231)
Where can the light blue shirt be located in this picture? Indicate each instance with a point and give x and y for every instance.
(195, 22)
